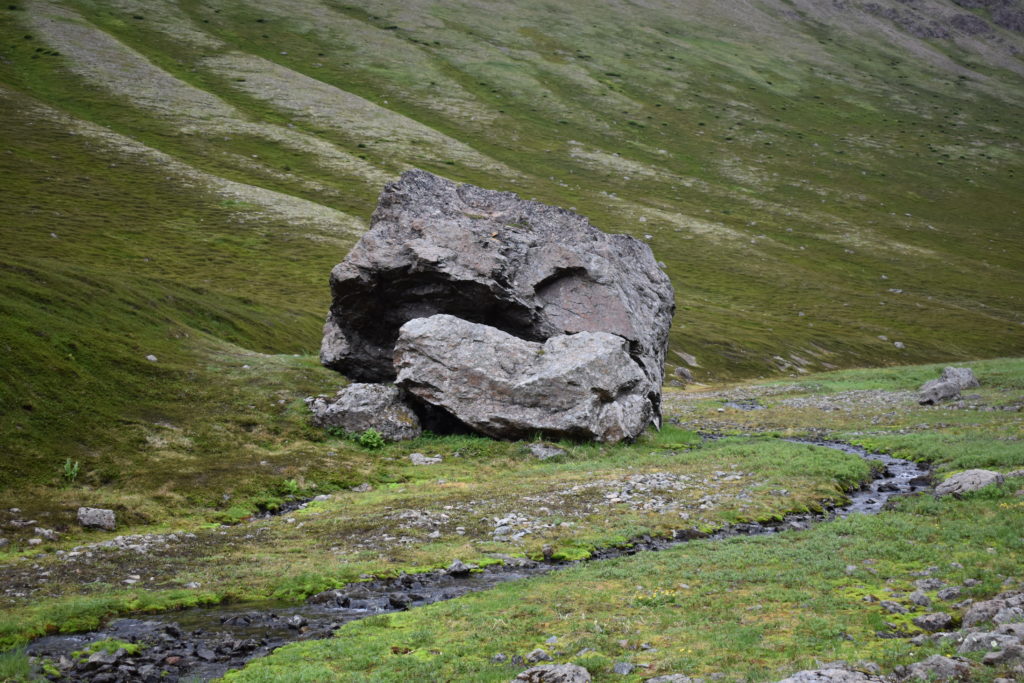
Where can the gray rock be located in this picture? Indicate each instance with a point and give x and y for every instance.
(555, 673)
(939, 668)
(975, 642)
(545, 451)
(968, 480)
(460, 568)
(962, 377)
(1008, 615)
(982, 611)
(919, 598)
(538, 655)
(670, 678)
(488, 257)
(96, 518)
(951, 593)
(936, 391)
(934, 622)
(830, 676)
(623, 668)
(1009, 654)
(948, 386)
(582, 386)
(359, 407)
(893, 607)
(420, 459)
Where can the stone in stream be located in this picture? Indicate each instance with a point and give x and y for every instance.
(520, 267)
(580, 386)
(359, 407)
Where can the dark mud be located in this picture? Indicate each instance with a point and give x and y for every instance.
(199, 644)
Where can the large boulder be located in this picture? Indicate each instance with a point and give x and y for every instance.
(521, 267)
(580, 386)
(359, 407)
(948, 386)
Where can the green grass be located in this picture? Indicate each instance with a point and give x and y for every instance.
(773, 604)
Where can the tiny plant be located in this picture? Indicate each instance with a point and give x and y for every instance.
(371, 439)
(291, 486)
(70, 471)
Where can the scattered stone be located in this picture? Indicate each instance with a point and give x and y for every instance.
(969, 480)
(623, 668)
(499, 658)
(671, 678)
(359, 407)
(939, 668)
(544, 451)
(96, 518)
(151, 358)
(919, 598)
(48, 534)
(951, 593)
(361, 488)
(35, 541)
(893, 607)
(420, 459)
(555, 673)
(538, 655)
(934, 622)
(580, 386)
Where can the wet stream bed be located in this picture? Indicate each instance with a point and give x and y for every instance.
(199, 644)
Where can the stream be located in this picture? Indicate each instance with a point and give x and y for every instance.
(199, 644)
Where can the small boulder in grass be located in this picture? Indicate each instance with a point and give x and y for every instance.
(96, 518)
(967, 481)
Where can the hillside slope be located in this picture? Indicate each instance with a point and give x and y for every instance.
(821, 180)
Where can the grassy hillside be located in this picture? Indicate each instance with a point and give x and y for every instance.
(179, 177)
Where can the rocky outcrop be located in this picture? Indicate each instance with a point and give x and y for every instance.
(580, 386)
(830, 676)
(967, 481)
(359, 407)
(948, 386)
(525, 269)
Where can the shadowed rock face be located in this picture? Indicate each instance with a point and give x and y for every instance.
(527, 269)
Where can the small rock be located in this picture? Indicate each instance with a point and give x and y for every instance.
(361, 488)
(192, 585)
(919, 598)
(35, 541)
(623, 668)
(893, 607)
(555, 673)
(499, 658)
(543, 451)
(420, 459)
(951, 593)
(96, 518)
(151, 358)
(460, 568)
(670, 678)
(538, 655)
(937, 621)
